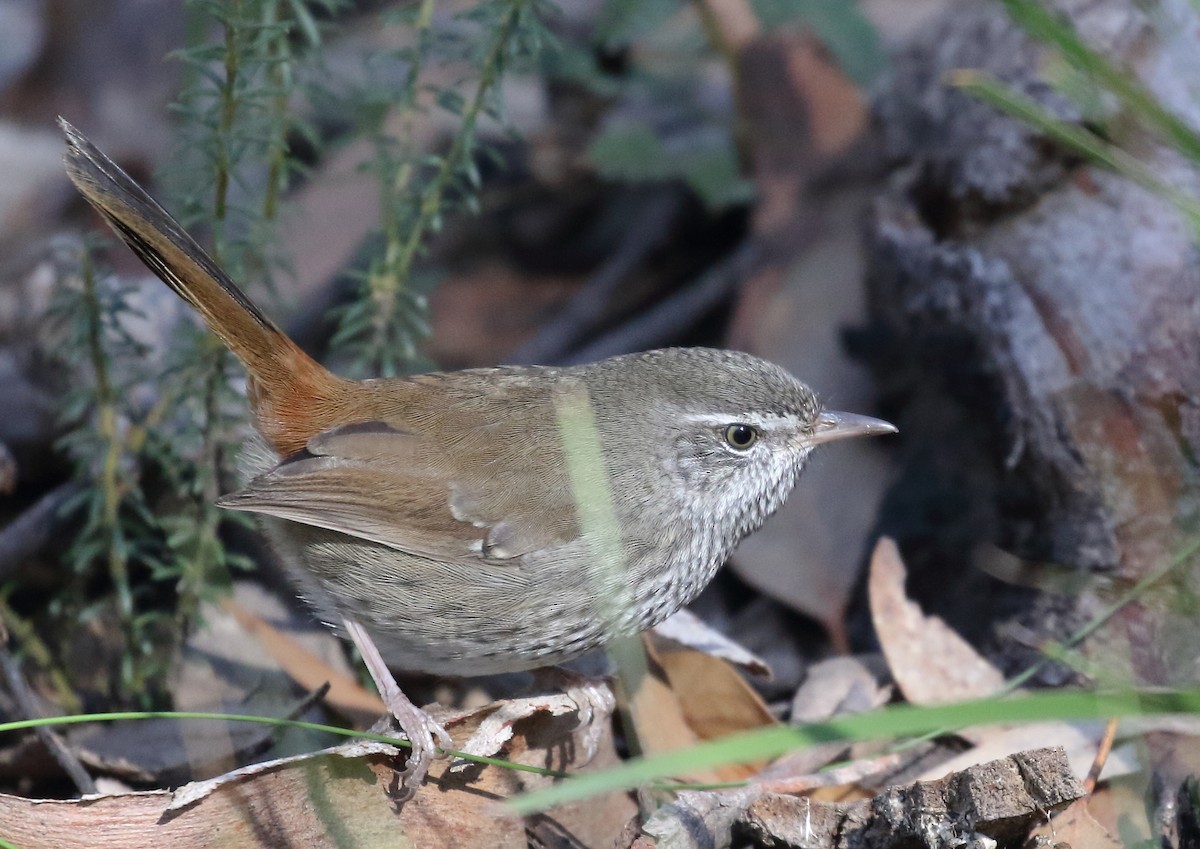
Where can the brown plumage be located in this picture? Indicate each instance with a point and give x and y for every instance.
(499, 519)
(292, 395)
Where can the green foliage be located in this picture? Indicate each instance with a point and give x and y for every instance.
(382, 325)
(235, 120)
(841, 27)
(669, 55)
(884, 724)
(708, 163)
(688, 141)
(105, 429)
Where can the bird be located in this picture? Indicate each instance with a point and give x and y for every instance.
(494, 519)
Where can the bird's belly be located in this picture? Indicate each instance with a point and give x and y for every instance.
(459, 619)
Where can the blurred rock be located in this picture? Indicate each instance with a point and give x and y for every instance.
(103, 64)
(1041, 317)
(31, 162)
(898, 21)
(22, 34)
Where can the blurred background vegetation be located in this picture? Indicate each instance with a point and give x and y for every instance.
(977, 218)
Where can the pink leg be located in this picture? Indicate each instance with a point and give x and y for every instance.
(418, 726)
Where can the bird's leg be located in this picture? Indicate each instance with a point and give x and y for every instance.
(418, 726)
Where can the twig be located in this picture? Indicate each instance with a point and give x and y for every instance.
(667, 319)
(586, 309)
(58, 748)
(28, 534)
(315, 697)
(1106, 744)
(851, 773)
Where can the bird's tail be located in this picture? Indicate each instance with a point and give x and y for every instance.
(293, 396)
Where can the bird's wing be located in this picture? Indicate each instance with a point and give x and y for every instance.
(495, 493)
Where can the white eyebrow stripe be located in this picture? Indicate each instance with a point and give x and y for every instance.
(760, 420)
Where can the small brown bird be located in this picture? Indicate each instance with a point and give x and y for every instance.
(495, 519)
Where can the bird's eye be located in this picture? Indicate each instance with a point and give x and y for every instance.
(740, 436)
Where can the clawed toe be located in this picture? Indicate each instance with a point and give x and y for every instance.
(596, 704)
(422, 752)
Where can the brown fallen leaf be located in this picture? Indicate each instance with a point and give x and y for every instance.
(802, 114)
(688, 696)
(840, 685)
(691, 632)
(930, 663)
(659, 722)
(716, 699)
(333, 798)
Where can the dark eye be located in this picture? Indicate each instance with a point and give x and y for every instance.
(740, 436)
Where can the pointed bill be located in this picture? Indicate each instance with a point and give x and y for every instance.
(833, 425)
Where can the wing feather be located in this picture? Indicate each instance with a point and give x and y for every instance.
(488, 495)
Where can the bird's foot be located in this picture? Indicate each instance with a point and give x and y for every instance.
(563, 693)
(594, 704)
(428, 739)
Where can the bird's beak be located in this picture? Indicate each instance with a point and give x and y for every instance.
(833, 425)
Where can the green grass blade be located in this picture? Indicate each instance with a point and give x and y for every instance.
(1046, 25)
(902, 720)
(77, 719)
(1086, 143)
